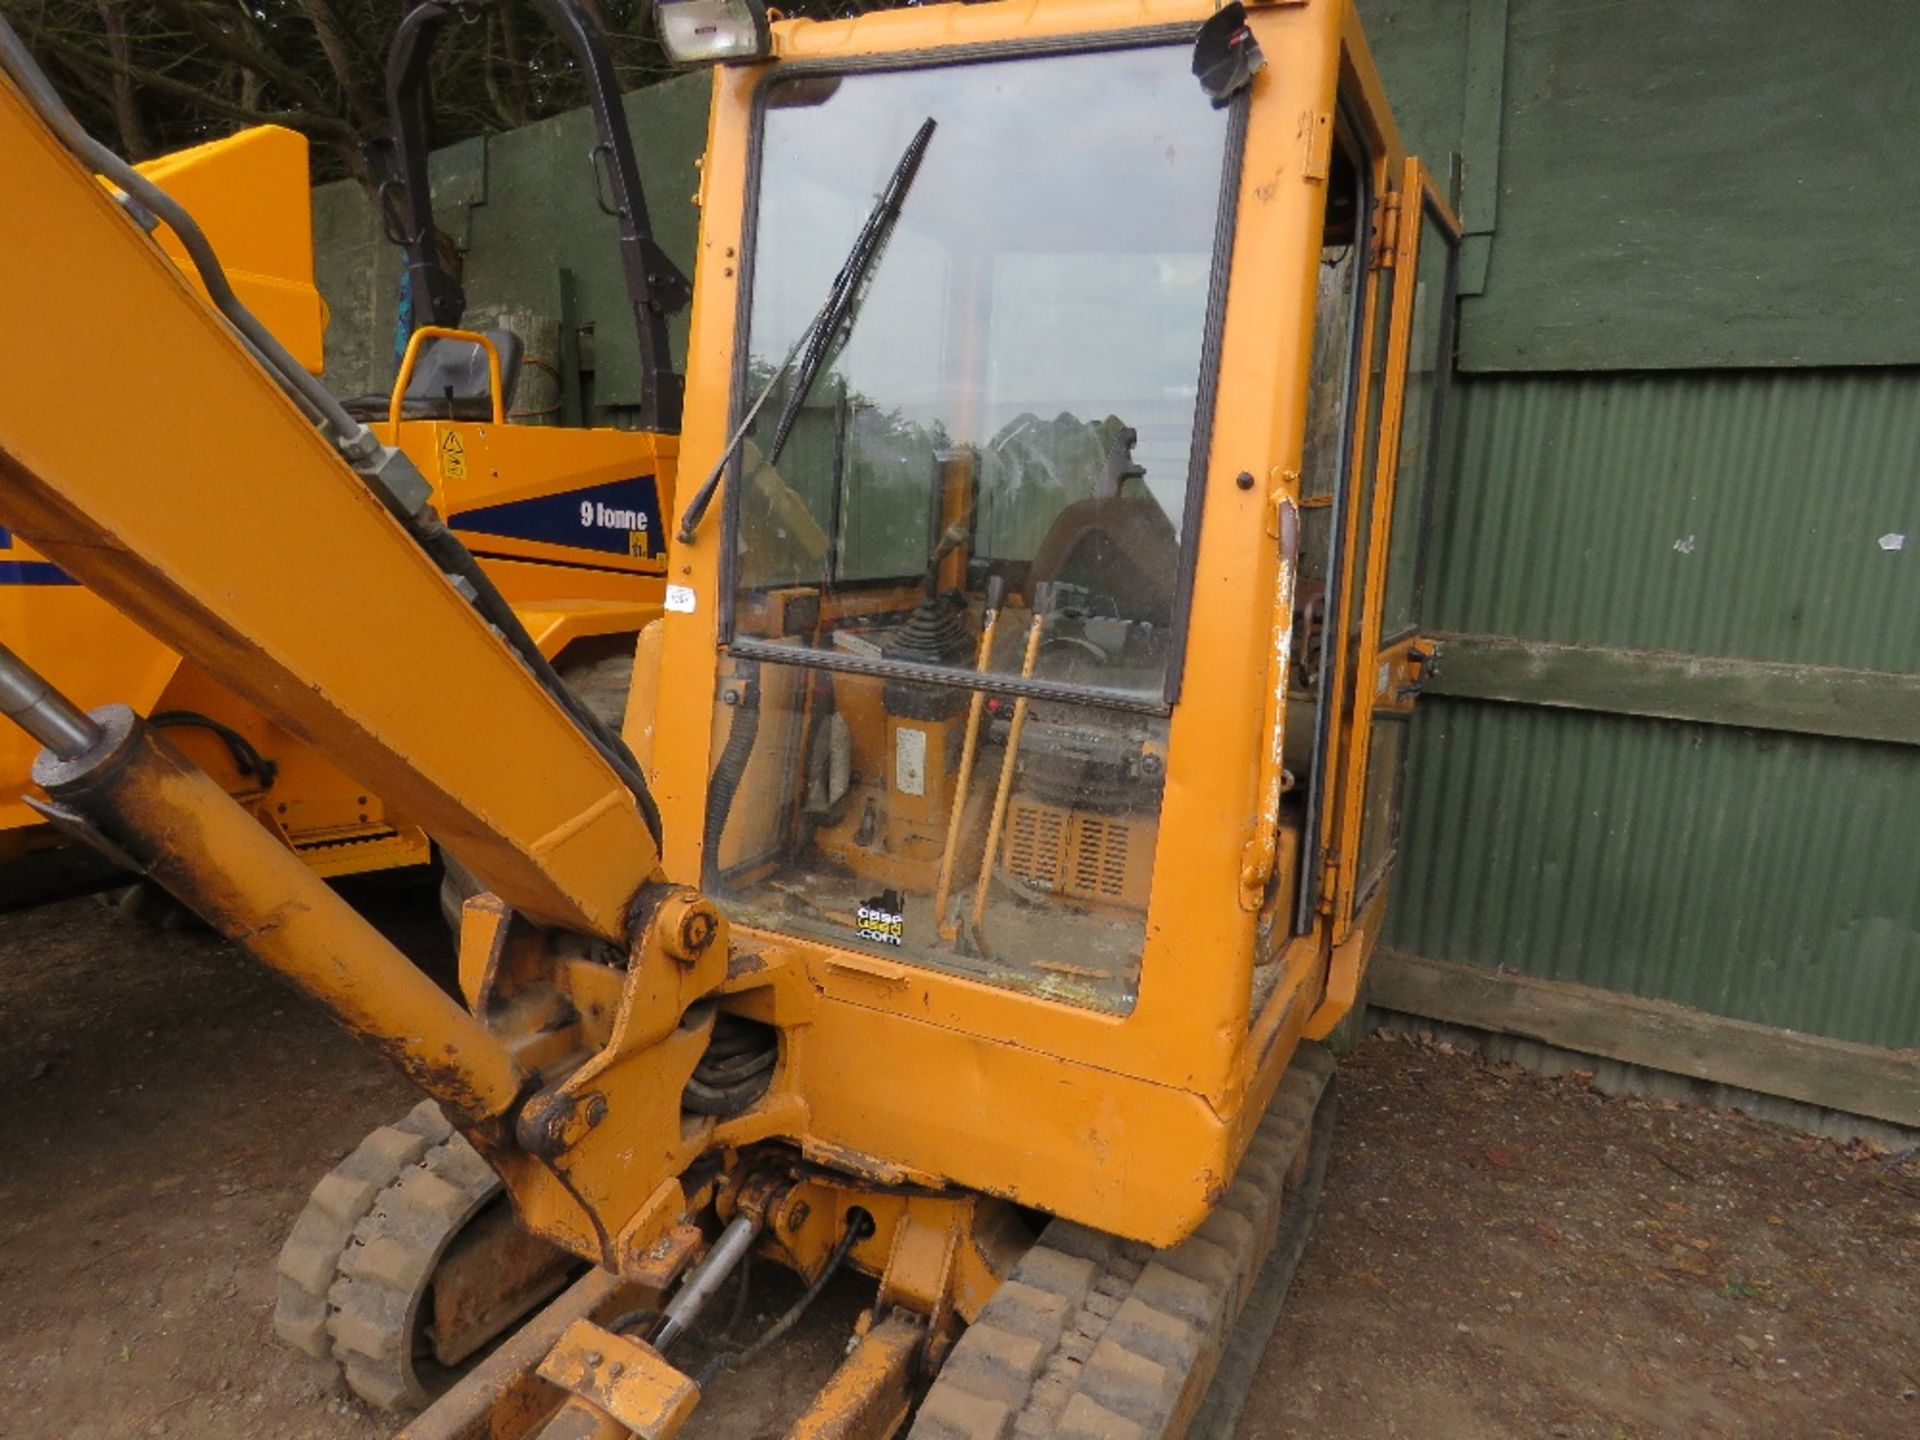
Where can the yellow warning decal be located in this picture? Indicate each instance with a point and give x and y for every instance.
(453, 457)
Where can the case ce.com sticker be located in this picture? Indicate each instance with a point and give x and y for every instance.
(882, 920)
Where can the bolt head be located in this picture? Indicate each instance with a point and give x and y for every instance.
(687, 925)
(697, 930)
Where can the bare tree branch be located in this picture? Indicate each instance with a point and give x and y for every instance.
(126, 98)
(349, 65)
(329, 125)
(217, 32)
(158, 74)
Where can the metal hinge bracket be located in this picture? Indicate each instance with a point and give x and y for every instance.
(1386, 231)
(1316, 144)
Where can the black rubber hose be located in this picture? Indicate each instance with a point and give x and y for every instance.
(247, 758)
(454, 559)
(632, 1319)
(740, 1299)
(729, 772)
(313, 397)
(859, 1226)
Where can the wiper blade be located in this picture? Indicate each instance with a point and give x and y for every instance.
(832, 323)
(824, 331)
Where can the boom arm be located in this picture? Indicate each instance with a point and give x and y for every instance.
(216, 514)
(306, 574)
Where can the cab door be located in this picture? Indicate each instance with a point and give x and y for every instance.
(1388, 650)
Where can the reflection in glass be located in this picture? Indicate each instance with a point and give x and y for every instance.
(1009, 840)
(1017, 388)
(979, 502)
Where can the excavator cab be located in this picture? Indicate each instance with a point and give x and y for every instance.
(1055, 568)
(1004, 815)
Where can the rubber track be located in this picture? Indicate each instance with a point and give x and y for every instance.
(1096, 1338)
(357, 1264)
(310, 1259)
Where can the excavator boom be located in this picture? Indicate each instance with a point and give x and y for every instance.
(216, 512)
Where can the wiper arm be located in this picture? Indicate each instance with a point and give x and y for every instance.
(832, 323)
(824, 330)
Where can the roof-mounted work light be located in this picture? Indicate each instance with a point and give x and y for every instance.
(709, 32)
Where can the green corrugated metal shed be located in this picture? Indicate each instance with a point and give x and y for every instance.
(1671, 751)
(1760, 875)
(1735, 513)
(1669, 185)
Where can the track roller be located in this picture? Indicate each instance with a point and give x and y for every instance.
(406, 1262)
(1095, 1338)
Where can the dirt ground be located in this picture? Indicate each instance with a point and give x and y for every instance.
(1498, 1255)
(1501, 1255)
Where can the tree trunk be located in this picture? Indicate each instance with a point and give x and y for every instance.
(366, 110)
(126, 98)
(520, 105)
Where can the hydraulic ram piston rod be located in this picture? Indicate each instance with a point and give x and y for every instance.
(42, 711)
(728, 1251)
(114, 782)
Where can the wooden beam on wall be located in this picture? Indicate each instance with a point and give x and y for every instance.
(1708, 690)
(1836, 1074)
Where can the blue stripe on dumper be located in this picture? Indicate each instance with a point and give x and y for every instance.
(621, 517)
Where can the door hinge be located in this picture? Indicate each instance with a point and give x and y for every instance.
(1329, 882)
(1386, 231)
(1281, 511)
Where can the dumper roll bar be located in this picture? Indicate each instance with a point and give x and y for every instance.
(656, 288)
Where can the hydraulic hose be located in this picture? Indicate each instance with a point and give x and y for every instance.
(859, 1226)
(730, 771)
(247, 758)
(355, 441)
(353, 438)
(457, 562)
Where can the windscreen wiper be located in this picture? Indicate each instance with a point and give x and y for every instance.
(824, 331)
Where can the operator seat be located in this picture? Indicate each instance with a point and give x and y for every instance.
(1122, 547)
(450, 381)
